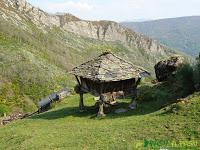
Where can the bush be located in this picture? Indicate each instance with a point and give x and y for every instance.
(197, 73)
(152, 94)
(184, 80)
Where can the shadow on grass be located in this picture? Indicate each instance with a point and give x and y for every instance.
(66, 112)
(91, 112)
(150, 99)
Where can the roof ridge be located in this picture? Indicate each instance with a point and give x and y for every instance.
(108, 67)
(129, 62)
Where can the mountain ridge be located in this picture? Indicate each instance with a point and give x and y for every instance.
(101, 30)
(180, 33)
(37, 50)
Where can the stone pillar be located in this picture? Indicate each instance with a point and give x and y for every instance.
(101, 103)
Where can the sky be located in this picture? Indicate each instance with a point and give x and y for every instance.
(121, 10)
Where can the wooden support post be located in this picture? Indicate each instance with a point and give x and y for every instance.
(101, 103)
(133, 103)
(81, 104)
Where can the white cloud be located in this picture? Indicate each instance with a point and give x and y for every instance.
(69, 5)
(120, 10)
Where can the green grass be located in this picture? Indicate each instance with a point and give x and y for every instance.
(34, 63)
(25, 77)
(65, 128)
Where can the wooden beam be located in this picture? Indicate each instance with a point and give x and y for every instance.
(78, 81)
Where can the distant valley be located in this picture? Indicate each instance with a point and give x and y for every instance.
(179, 33)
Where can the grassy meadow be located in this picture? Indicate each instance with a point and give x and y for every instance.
(151, 126)
(35, 61)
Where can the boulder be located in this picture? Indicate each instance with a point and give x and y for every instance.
(166, 68)
(120, 110)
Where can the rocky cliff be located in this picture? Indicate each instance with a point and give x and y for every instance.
(101, 30)
(112, 31)
(37, 50)
(23, 8)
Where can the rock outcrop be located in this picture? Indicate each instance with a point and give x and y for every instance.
(101, 30)
(112, 31)
(166, 68)
(36, 15)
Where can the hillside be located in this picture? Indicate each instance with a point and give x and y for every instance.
(38, 49)
(148, 127)
(179, 33)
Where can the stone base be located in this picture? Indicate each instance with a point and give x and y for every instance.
(101, 115)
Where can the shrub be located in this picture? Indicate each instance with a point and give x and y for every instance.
(197, 73)
(152, 94)
(160, 96)
(184, 80)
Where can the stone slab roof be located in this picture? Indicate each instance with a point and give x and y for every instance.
(109, 67)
